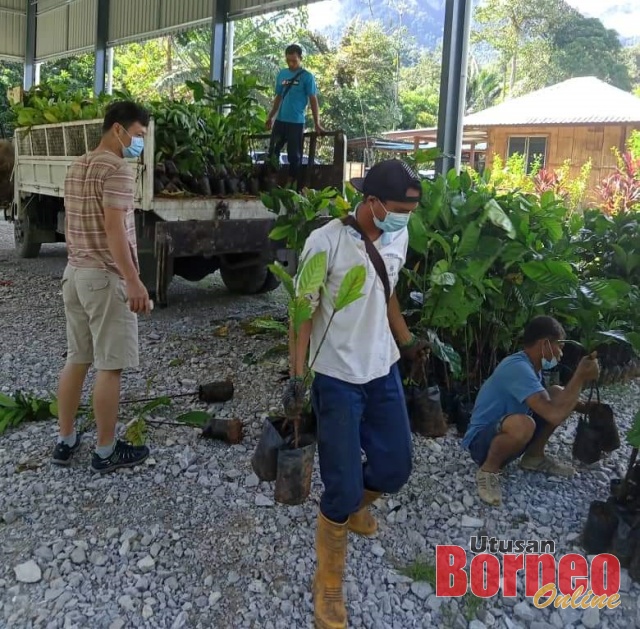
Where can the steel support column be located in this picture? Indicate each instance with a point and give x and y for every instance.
(30, 46)
(453, 83)
(218, 38)
(102, 36)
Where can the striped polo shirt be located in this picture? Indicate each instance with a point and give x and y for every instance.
(96, 183)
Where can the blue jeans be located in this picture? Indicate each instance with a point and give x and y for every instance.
(479, 447)
(291, 134)
(351, 418)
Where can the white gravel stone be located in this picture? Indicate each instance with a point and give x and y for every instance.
(146, 564)
(421, 589)
(28, 572)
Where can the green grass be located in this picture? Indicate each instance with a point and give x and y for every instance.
(420, 571)
(471, 606)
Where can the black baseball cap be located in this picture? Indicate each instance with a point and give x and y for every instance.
(389, 181)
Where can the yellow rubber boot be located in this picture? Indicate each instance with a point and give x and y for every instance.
(331, 552)
(362, 521)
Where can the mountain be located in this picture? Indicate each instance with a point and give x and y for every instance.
(424, 19)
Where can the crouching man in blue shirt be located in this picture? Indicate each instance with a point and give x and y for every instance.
(514, 415)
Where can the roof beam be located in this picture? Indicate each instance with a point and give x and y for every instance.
(457, 26)
(100, 50)
(218, 39)
(30, 47)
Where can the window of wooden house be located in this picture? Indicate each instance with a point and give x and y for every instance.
(532, 148)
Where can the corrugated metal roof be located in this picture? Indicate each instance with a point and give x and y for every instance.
(52, 33)
(583, 100)
(12, 29)
(68, 26)
(248, 8)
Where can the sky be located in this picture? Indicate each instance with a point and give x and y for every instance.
(616, 14)
(624, 19)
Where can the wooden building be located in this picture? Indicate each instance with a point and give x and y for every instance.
(577, 120)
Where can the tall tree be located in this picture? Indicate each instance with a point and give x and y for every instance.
(484, 87)
(357, 81)
(420, 91)
(74, 74)
(517, 30)
(584, 47)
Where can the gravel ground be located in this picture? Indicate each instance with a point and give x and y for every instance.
(193, 539)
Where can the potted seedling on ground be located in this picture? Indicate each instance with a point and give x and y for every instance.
(285, 451)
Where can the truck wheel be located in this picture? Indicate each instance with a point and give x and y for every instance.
(247, 280)
(271, 283)
(24, 238)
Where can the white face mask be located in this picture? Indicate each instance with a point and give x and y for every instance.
(392, 222)
(548, 364)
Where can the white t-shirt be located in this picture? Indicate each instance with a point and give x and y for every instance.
(359, 346)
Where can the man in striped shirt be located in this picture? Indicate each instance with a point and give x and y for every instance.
(101, 287)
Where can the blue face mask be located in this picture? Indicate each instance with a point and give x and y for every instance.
(135, 148)
(393, 221)
(549, 364)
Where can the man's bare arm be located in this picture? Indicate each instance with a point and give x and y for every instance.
(397, 321)
(315, 111)
(274, 108)
(555, 410)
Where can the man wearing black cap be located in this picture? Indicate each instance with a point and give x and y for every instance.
(357, 392)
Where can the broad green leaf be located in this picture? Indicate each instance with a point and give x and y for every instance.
(7, 402)
(194, 418)
(445, 353)
(280, 272)
(634, 339)
(299, 312)
(53, 408)
(497, 216)
(633, 436)
(270, 325)
(418, 236)
(312, 275)
(469, 241)
(281, 232)
(440, 275)
(549, 273)
(351, 287)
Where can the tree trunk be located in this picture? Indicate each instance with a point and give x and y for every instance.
(512, 77)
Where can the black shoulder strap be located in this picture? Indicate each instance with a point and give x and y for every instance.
(295, 76)
(373, 253)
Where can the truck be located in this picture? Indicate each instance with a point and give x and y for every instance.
(178, 234)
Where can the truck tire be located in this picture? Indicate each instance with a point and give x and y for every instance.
(23, 236)
(271, 283)
(247, 280)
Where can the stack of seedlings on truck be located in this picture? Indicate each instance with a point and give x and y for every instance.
(197, 198)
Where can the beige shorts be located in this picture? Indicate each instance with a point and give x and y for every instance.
(100, 327)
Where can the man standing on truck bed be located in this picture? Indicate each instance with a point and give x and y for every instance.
(295, 86)
(101, 287)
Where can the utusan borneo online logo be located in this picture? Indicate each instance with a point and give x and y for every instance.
(571, 581)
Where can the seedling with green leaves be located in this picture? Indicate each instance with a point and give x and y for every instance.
(310, 280)
(22, 407)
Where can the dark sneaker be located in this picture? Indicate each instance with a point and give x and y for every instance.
(124, 455)
(62, 453)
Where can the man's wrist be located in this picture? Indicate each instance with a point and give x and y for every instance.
(408, 342)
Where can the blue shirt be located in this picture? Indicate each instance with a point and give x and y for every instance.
(504, 393)
(294, 104)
